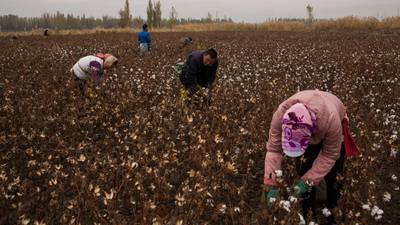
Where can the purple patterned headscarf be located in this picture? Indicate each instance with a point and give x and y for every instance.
(298, 125)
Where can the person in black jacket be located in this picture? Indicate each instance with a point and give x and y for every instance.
(199, 72)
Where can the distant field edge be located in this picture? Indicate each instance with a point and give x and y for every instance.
(350, 23)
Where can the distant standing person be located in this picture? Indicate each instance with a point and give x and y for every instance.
(92, 66)
(144, 40)
(184, 42)
(198, 72)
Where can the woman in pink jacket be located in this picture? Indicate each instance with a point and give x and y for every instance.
(314, 125)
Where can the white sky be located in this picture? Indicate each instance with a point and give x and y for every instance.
(238, 10)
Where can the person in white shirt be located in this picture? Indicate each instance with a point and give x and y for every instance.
(92, 66)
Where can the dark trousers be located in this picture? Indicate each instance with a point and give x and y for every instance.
(81, 85)
(333, 185)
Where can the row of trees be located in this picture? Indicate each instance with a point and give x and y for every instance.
(53, 21)
(154, 14)
(61, 21)
(69, 21)
(125, 16)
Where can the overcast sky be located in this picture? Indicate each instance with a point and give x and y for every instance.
(238, 10)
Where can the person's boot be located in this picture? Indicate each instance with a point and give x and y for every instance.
(330, 220)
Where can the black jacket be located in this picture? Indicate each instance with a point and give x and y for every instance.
(197, 74)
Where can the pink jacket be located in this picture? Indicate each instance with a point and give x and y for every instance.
(330, 112)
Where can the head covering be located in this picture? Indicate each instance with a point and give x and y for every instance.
(109, 60)
(298, 124)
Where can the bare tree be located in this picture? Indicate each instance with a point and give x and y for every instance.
(157, 14)
(173, 17)
(310, 11)
(150, 12)
(125, 16)
(209, 18)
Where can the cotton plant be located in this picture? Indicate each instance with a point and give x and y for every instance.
(302, 220)
(141, 164)
(375, 211)
(285, 205)
(393, 152)
(326, 212)
(387, 197)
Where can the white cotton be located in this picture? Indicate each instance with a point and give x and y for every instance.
(393, 153)
(394, 137)
(366, 207)
(387, 197)
(285, 205)
(374, 210)
(278, 173)
(378, 217)
(394, 177)
(302, 221)
(326, 212)
(222, 208)
(272, 200)
(292, 199)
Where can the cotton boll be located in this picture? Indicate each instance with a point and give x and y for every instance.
(285, 205)
(222, 208)
(326, 212)
(376, 211)
(378, 217)
(387, 197)
(292, 199)
(393, 153)
(278, 173)
(393, 137)
(302, 221)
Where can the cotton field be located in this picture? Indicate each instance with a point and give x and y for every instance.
(131, 153)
